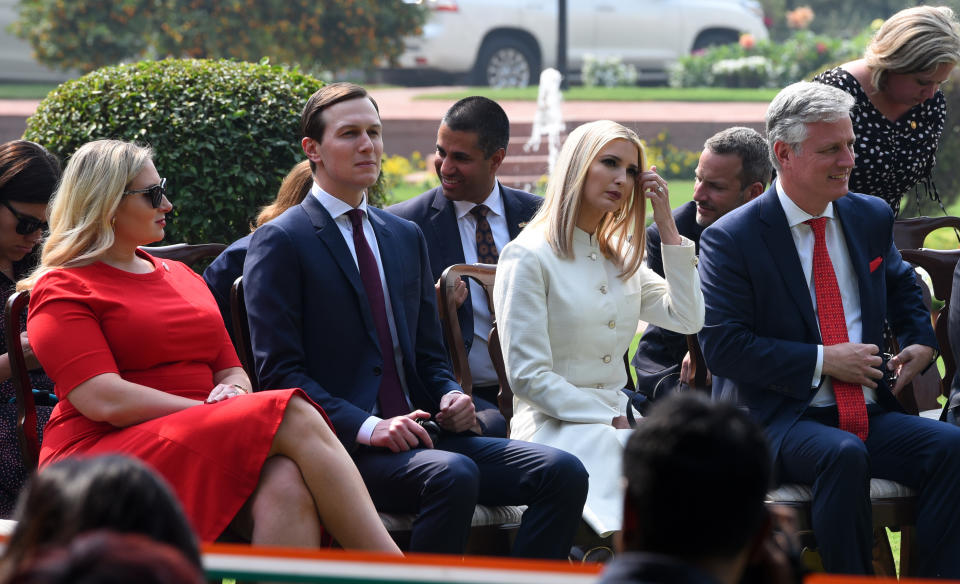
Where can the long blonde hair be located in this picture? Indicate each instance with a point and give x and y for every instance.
(293, 190)
(620, 235)
(84, 204)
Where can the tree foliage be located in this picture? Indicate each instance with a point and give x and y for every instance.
(223, 133)
(328, 35)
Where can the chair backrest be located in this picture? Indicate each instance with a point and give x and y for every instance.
(482, 274)
(940, 264)
(241, 332)
(26, 423)
(910, 233)
(188, 253)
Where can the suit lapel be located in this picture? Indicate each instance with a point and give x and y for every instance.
(512, 212)
(860, 261)
(394, 269)
(776, 234)
(446, 233)
(329, 234)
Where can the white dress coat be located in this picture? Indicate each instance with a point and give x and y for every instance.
(564, 326)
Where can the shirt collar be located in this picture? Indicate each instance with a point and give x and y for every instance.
(336, 207)
(796, 215)
(494, 202)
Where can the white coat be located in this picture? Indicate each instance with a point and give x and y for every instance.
(564, 326)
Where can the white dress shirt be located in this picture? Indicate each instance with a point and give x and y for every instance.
(338, 211)
(481, 367)
(803, 238)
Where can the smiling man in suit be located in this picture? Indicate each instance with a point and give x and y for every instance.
(459, 217)
(341, 303)
(798, 284)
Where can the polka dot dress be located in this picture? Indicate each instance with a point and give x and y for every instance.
(892, 157)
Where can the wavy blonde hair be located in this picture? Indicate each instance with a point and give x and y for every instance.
(293, 190)
(84, 204)
(914, 40)
(620, 235)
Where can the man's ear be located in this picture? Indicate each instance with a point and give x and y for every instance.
(783, 152)
(753, 191)
(312, 149)
(496, 159)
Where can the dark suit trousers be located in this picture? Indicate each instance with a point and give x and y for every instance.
(443, 485)
(491, 420)
(920, 453)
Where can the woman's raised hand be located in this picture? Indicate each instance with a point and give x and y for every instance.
(654, 187)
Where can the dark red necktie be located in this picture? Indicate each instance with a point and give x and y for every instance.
(392, 401)
(486, 247)
(851, 407)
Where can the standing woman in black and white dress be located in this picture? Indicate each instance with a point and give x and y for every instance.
(900, 111)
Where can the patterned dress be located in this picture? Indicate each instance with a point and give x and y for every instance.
(892, 156)
(12, 473)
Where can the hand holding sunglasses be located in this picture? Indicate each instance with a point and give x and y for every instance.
(156, 193)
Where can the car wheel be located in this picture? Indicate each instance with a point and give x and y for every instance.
(506, 62)
(713, 38)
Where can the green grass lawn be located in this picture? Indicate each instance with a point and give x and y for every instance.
(615, 94)
(26, 90)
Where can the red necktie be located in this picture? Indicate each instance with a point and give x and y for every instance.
(486, 247)
(392, 401)
(851, 407)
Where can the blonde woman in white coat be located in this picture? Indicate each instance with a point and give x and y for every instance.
(570, 292)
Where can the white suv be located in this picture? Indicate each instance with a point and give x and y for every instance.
(504, 43)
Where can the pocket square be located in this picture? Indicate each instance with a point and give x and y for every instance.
(875, 263)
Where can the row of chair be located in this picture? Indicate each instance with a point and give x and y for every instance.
(894, 505)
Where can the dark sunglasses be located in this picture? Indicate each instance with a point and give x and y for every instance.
(26, 224)
(156, 193)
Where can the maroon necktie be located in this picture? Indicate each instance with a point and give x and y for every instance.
(851, 408)
(392, 401)
(486, 247)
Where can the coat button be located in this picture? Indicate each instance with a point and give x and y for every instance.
(695, 261)
(612, 324)
(606, 358)
(593, 256)
(599, 386)
(377, 371)
(603, 289)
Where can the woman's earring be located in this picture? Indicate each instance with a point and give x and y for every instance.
(113, 222)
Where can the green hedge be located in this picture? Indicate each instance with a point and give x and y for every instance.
(224, 133)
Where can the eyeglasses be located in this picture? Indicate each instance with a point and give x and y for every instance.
(26, 224)
(156, 192)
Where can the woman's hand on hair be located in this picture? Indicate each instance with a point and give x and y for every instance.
(654, 187)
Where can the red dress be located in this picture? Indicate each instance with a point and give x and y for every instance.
(163, 330)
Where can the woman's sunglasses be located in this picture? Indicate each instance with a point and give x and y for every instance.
(156, 193)
(26, 224)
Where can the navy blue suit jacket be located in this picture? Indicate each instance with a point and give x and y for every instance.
(761, 332)
(223, 272)
(437, 218)
(311, 325)
(660, 351)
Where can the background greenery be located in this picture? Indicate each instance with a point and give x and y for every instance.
(223, 133)
(318, 36)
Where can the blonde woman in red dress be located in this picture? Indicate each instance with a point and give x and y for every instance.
(142, 365)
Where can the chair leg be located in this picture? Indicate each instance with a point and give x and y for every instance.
(908, 551)
(883, 564)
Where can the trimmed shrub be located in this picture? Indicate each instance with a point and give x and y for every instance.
(333, 34)
(224, 133)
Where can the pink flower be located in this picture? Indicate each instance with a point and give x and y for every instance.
(747, 41)
(821, 48)
(800, 18)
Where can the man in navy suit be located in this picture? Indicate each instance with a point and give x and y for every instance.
(734, 168)
(773, 273)
(341, 303)
(471, 145)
